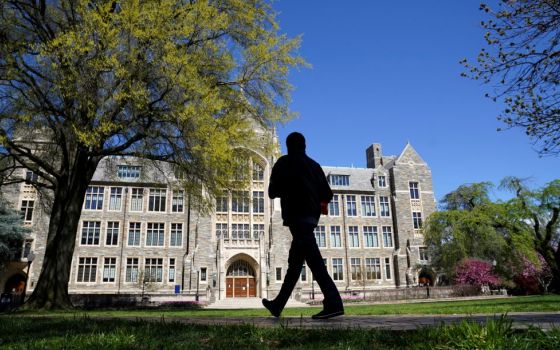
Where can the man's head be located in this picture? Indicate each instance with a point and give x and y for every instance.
(295, 142)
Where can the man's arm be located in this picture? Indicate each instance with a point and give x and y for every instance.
(275, 187)
(326, 192)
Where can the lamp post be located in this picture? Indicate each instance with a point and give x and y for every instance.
(30, 258)
(197, 282)
(312, 287)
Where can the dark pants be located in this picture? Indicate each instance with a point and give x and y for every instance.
(304, 248)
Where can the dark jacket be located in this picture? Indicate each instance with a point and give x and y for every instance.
(301, 185)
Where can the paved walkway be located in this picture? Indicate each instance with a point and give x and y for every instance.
(248, 303)
(521, 320)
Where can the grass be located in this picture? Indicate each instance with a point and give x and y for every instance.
(491, 306)
(85, 333)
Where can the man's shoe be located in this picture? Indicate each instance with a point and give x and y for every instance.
(269, 305)
(326, 314)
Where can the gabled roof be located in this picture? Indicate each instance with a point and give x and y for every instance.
(409, 155)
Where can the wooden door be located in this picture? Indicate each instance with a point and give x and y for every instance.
(229, 287)
(252, 287)
(240, 287)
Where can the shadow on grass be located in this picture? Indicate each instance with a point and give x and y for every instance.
(84, 333)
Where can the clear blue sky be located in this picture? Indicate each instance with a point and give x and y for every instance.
(388, 72)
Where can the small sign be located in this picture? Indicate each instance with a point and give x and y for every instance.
(177, 289)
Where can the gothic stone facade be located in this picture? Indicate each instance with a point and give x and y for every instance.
(138, 233)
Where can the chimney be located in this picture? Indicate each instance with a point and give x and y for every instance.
(373, 155)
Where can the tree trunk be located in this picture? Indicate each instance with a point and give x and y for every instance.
(551, 258)
(51, 291)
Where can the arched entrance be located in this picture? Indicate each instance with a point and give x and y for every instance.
(241, 281)
(426, 277)
(15, 286)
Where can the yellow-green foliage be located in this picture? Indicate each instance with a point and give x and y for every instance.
(187, 80)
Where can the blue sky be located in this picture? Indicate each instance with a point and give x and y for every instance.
(388, 72)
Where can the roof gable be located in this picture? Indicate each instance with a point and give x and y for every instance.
(409, 155)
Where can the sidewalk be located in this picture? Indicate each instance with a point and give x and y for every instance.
(521, 320)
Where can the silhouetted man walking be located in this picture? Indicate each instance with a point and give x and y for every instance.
(301, 185)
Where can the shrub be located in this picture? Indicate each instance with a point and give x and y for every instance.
(465, 290)
(476, 273)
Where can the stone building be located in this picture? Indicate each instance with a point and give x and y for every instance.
(138, 233)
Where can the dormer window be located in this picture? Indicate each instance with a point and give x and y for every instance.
(30, 177)
(128, 171)
(382, 181)
(339, 180)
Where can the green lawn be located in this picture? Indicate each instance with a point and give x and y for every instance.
(78, 330)
(498, 306)
(28, 333)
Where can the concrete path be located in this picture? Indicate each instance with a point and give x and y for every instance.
(248, 303)
(543, 320)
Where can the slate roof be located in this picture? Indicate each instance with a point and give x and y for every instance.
(360, 178)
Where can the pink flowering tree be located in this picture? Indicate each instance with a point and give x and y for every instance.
(476, 273)
(539, 271)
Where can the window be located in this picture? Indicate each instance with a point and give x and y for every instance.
(387, 236)
(368, 205)
(176, 235)
(337, 271)
(353, 237)
(153, 270)
(112, 234)
(221, 204)
(28, 243)
(240, 201)
(30, 177)
(171, 274)
(320, 236)
(370, 236)
(131, 270)
(258, 202)
(388, 268)
(177, 202)
(90, 232)
(373, 269)
(384, 206)
(240, 231)
(203, 274)
(356, 268)
(87, 270)
(27, 210)
(258, 172)
(258, 231)
(155, 234)
(94, 198)
(134, 234)
(414, 193)
(336, 241)
(339, 180)
(334, 209)
(241, 169)
(115, 198)
(303, 273)
(423, 253)
(351, 205)
(128, 171)
(157, 200)
(136, 199)
(109, 269)
(279, 274)
(382, 181)
(221, 230)
(417, 219)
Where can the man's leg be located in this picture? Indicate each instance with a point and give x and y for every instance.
(332, 300)
(295, 263)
